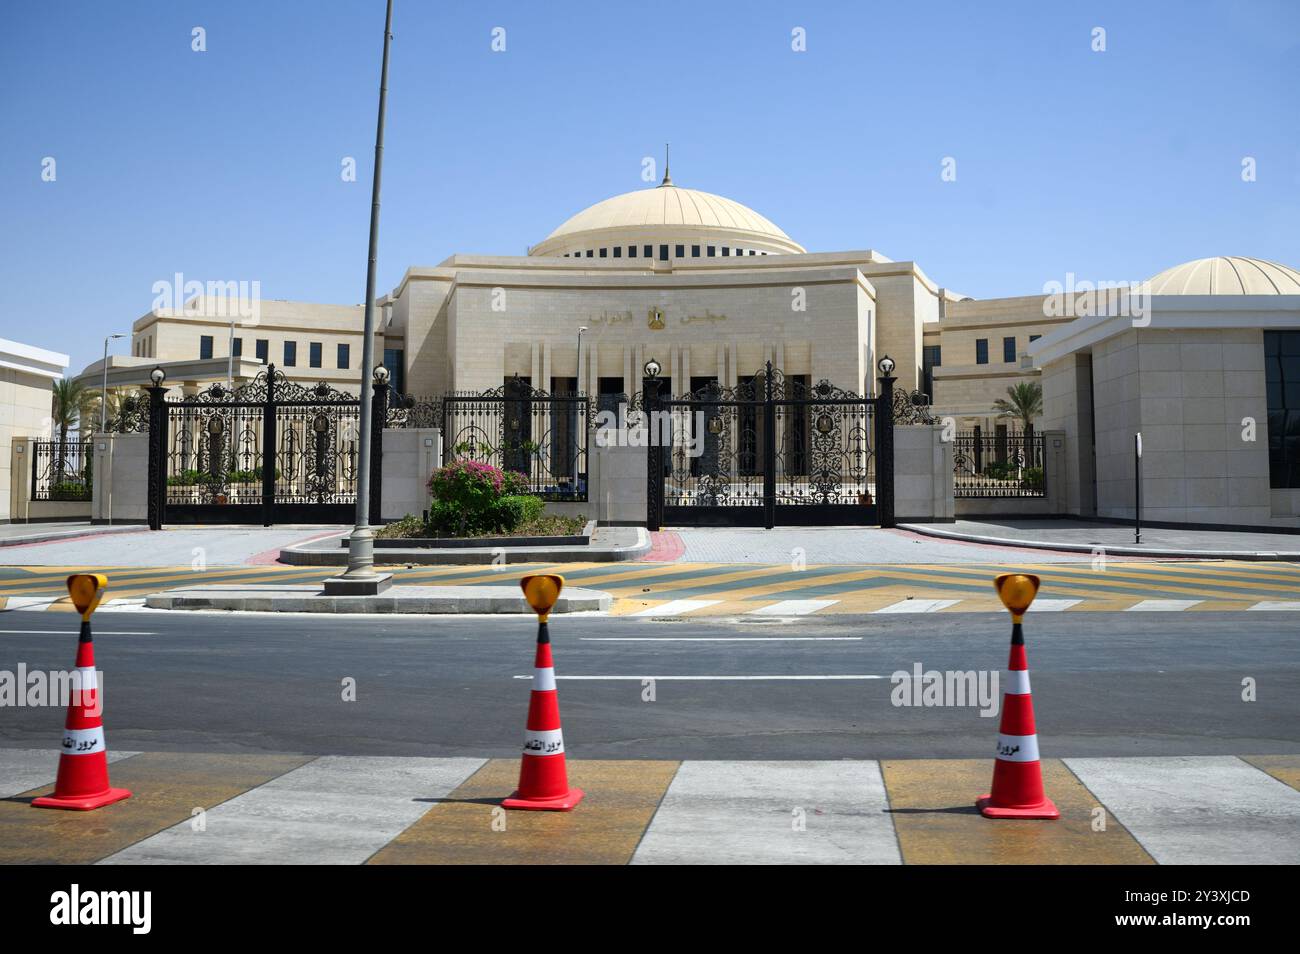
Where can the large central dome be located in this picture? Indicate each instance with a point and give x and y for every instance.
(668, 215)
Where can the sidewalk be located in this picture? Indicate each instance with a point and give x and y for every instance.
(289, 809)
(1082, 536)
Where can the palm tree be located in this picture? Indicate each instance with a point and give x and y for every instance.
(1026, 403)
(65, 411)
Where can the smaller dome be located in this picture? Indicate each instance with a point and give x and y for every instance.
(1227, 275)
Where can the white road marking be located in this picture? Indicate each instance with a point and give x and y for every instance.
(675, 608)
(780, 678)
(720, 639)
(1053, 606)
(334, 810)
(1162, 606)
(917, 606)
(1286, 605)
(792, 608)
(771, 813)
(1198, 810)
(30, 604)
(57, 632)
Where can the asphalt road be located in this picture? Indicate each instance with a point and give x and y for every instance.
(1104, 684)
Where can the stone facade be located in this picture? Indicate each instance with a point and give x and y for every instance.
(26, 374)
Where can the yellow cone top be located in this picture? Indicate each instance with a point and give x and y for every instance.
(542, 591)
(86, 590)
(1017, 591)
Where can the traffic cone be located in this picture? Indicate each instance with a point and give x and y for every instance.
(82, 783)
(543, 778)
(1017, 772)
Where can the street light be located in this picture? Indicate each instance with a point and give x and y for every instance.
(360, 577)
(577, 368)
(157, 375)
(886, 366)
(652, 368)
(103, 391)
(230, 359)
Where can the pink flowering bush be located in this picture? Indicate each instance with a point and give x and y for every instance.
(471, 497)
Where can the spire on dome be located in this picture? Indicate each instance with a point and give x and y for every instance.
(668, 179)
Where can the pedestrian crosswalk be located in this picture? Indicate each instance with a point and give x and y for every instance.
(660, 590)
(198, 808)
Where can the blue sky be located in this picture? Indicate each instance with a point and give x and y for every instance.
(225, 165)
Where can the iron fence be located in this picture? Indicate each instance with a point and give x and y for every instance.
(62, 470)
(1000, 464)
(514, 427)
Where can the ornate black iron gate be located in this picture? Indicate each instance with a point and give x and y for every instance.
(268, 451)
(521, 428)
(772, 451)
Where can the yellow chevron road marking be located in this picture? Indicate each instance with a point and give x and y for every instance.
(931, 802)
(1284, 768)
(621, 799)
(166, 787)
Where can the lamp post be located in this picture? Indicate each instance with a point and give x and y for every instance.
(361, 578)
(157, 421)
(577, 368)
(103, 391)
(885, 443)
(230, 356)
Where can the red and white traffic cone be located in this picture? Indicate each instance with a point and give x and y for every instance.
(82, 782)
(1017, 772)
(543, 776)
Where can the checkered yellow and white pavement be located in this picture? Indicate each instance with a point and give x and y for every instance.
(727, 589)
(259, 808)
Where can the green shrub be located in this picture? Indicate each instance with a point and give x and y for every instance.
(69, 490)
(470, 499)
(408, 526)
(1033, 479)
(519, 509)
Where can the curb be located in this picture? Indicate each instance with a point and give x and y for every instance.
(298, 556)
(485, 600)
(1090, 547)
(53, 536)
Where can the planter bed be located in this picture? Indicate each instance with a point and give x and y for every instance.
(453, 543)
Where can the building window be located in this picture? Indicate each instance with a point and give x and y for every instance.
(648, 251)
(291, 354)
(1282, 384)
(261, 349)
(1033, 338)
(618, 251)
(314, 350)
(205, 347)
(590, 253)
(726, 251)
(631, 251)
(681, 251)
(712, 251)
(663, 253)
(981, 350)
(238, 346)
(604, 253)
(931, 358)
(1009, 350)
(395, 362)
(695, 251)
(345, 356)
